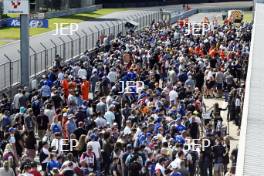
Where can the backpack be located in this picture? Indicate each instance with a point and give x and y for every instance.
(56, 128)
(134, 167)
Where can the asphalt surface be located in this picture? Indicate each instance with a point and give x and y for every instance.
(197, 18)
(91, 28)
(38, 62)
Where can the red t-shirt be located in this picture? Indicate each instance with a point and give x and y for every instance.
(34, 172)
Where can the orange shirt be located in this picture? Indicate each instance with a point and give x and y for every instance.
(65, 86)
(222, 55)
(212, 52)
(72, 85)
(85, 90)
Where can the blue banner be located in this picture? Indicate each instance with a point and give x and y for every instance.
(33, 23)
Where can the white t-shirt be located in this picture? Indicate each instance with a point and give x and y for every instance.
(96, 148)
(127, 130)
(16, 100)
(82, 73)
(161, 168)
(110, 117)
(173, 95)
(100, 122)
(50, 113)
(112, 76)
(60, 76)
(237, 102)
(176, 163)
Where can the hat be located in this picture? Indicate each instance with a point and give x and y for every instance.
(22, 109)
(93, 136)
(155, 138)
(89, 146)
(64, 110)
(55, 171)
(11, 129)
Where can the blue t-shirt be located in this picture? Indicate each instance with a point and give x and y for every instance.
(180, 128)
(53, 164)
(179, 139)
(176, 174)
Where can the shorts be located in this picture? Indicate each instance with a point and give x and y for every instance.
(219, 167)
(219, 86)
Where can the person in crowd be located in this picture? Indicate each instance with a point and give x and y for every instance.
(86, 122)
(6, 170)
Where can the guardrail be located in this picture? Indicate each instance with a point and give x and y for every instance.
(69, 48)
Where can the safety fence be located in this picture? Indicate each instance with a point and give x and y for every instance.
(68, 47)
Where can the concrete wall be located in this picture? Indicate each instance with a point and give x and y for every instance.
(72, 11)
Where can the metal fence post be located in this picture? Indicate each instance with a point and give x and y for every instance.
(54, 45)
(114, 26)
(35, 61)
(46, 56)
(64, 48)
(103, 28)
(10, 75)
(86, 39)
(97, 31)
(93, 42)
(71, 45)
(80, 42)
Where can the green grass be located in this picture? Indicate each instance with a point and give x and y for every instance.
(248, 16)
(2, 43)
(14, 33)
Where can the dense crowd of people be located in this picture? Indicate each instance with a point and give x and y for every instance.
(134, 109)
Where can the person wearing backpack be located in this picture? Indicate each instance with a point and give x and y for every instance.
(55, 127)
(134, 163)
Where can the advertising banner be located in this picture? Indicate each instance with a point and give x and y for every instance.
(33, 23)
(16, 6)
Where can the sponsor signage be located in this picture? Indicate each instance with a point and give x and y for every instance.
(33, 23)
(16, 6)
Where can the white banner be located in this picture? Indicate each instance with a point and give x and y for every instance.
(16, 6)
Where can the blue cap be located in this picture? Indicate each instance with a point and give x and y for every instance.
(148, 134)
(11, 129)
(93, 136)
